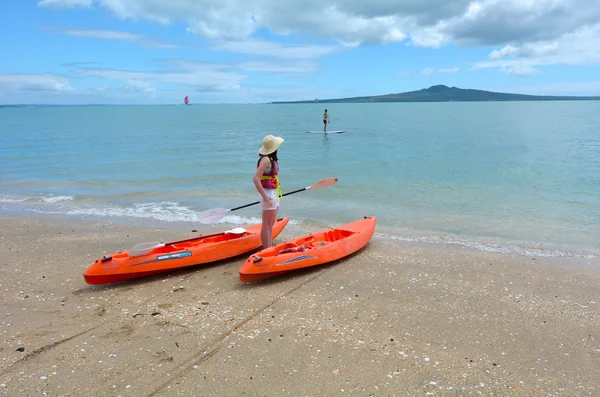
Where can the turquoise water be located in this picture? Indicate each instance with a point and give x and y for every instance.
(518, 177)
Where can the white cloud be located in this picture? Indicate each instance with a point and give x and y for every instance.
(428, 71)
(111, 35)
(34, 82)
(239, 19)
(230, 20)
(580, 47)
(65, 3)
(210, 82)
(193, 75)
(526, 50)
(429, 37)
(520, 70)
(493, 22)
(279, 68)
(269, 48)
(139, 86)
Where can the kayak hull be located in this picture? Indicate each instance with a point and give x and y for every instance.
(311, 250)
(176, 255)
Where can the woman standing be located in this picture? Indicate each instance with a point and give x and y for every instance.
(267, 184)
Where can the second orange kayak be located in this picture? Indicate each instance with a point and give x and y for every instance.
(315, 249)
(176, 254)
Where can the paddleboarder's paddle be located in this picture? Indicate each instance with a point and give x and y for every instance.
(145, 248)
(216, 214)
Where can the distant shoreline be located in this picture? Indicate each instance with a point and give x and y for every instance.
(442, 93)
(441, 101)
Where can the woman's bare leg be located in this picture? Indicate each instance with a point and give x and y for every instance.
(266, 231)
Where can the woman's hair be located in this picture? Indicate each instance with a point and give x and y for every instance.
(272, 156)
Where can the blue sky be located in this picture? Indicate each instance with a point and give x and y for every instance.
(249, 51)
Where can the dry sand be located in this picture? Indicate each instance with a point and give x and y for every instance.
(394, 319)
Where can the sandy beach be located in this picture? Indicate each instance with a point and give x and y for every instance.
(394, 319)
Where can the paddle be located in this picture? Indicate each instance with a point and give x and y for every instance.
(215, 214)
(144, 248)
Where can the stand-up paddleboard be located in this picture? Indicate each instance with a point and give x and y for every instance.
(327, 132)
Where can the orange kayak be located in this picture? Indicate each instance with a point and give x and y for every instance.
(176, 254)
(312, 250)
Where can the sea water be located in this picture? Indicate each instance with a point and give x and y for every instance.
(515, 177)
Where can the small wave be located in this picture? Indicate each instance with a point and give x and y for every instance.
(37, 199)
(163, 211)
(56, 199)
(11, 200)
(488, 247)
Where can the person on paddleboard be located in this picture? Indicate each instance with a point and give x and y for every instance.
(325, 120)
(267, 184)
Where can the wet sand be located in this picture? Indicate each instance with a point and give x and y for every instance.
(393, 319)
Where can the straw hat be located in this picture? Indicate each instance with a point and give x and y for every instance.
(270, 144)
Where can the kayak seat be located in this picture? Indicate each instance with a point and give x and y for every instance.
(337, 234)
(291, 247)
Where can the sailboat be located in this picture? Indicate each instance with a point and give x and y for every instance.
(186, 100)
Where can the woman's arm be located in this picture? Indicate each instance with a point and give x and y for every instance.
(260, 170)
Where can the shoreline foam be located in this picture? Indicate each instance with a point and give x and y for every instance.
(173, 215)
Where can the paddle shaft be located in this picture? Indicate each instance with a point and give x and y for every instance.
(195, 238)
(215, 214)
(257, 202)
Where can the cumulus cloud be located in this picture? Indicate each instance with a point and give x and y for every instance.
(425, 22)
(239, 19)
(580, 47)
(428, 37)
(492, 22)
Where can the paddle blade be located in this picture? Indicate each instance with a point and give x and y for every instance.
(144, 248)
(236, 230)
(322, 183)
(212, 216)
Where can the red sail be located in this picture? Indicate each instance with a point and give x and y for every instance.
(186, 101)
